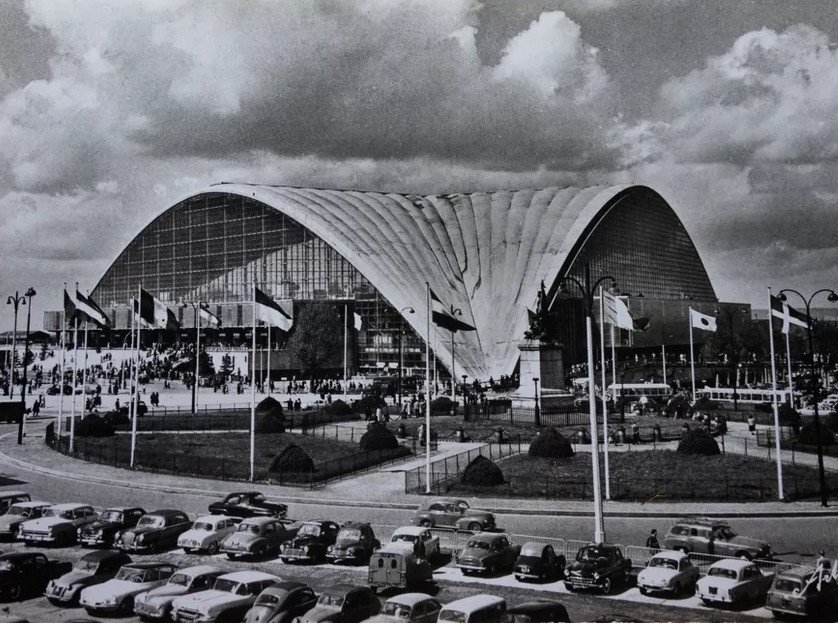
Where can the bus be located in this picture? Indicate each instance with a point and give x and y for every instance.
(743, 395)
(636, 390)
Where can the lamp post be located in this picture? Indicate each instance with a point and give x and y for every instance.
(454, 312)
(409, 310)
(15, 301)
(832, 297)
(29, 293)
(196, 309)
(588, 291)
(537, 411)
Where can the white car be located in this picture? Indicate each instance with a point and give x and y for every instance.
(19, 513)
(230, 598)
(117, 595)
(411, 607)
(156, 604)
(416, 534)
(207, 533)
(669, 571)
(58, 525)
(734, 581)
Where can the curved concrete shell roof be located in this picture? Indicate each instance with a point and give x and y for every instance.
(484, 253)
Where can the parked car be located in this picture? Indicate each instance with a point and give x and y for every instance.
(537, 611)
(734, 582)
(343, 603)
(7, 499)
(230, 598)
(93, 568)
(418, 535)
(412, 607)
(117, 595)
(155, 531)
(598, 566)
(539, 562)
(257, 537)
(54, 389)
(207, 533)
(453, 513)
(19, 513)
(247, 505)
(668, 572)
(714, 537)
(798, 593)
(487, 553)
(110, 525)
(477, 608)
(311, 541)
(396, 565)
(282, 603)
(156, 604)
(355, 542)
(58, 525)
(142, 408)
(27, 573)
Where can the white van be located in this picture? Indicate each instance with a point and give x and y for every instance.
(479, 608)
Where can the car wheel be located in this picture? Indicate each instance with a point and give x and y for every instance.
(425, 523)
(15, 592)
(233, 557)
(188, 551)
(490, 570)
(606, 585)
(284, 559)
(627, 578)
(212, 549)
(643, 591)
(677, 589)
(520, 579)
(569, 587)
(475, 527)
(466, 572)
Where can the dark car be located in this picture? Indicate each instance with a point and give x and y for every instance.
(598, 566)
(155, 531)
(539, 562)
(453, 513)
(282, 602)
(109, 526)
(28, 572)
(487, 553)
(311, 542)
(344, 603)
(537, 611)
(93, 568)
(142, 408)
(257, 537)
(797, 592)
(247, 505)
(355, 542)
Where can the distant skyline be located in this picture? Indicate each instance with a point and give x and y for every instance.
(111, 112)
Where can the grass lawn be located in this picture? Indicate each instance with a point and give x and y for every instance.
(652, 475)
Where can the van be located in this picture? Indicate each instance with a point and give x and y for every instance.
(396, 565)
(479, 608)
(7, 499)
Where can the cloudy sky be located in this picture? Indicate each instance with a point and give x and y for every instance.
(112, 111)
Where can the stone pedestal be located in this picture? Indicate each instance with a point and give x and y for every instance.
(543, 361)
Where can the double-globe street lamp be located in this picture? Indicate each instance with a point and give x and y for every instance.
(16, 301)
(832, 297)
(588, 291)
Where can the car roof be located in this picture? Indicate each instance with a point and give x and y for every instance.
(342, 588)
(164, 512)
(144, 565)
(243, 493)
(200, 570)
(542, 603)
(534, 548)
(216, 517)
(732, 564)
(474, 602)
(14, 493)
(396, 547)
(248, 576)
(353, 524)
(101, 555)
(285, 586)
(410, 598)
(671, 554)
(410, 530)
(69, 506)
(799, 572)
(32, 504)
(124, 508)
(699, 521)
(490, 537)
(21, 554)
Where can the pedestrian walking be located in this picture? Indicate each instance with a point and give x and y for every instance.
(752, 424)
(36, 408)
(652, 541)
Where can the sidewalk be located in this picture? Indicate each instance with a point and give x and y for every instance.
(381, 489)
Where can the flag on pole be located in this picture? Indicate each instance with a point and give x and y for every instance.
(84, 309)
(358, 321)
(270, 312)
(208, 317)
(702, 321)
(781, 310)
(616, 311)
(156, 313)
(446, 319)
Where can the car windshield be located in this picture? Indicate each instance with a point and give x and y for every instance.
(723, 572)
(663, 562)
(110, 516)
(331, 600)
(179, 579)
(155, 522)
(349, 534)
(244, 527)
(590, 553)
(230, 586)
(788, 585)
(132, 574)
(452, 615)
(67, 514)
(479, 544)
(404, 537)
(312, 530)
(203, 526)
(267, 600)
(396, 609)
(84, 565)
(17, 510)
(258, 498)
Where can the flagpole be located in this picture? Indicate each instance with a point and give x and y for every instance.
(345, 343)
(788, 362)
(134, 370)
(614, 366)
(253, 393)
(604, 403)
(75, 371)
(63, 357)
(599, 530)
(774, 401)
(268, 365)
(663, 360)
(453, 375)
(428, 394)
(84, 372)
(692, 355)
(197, 358)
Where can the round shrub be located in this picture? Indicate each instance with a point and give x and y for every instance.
(291, 459)
(94, 426)
(371, 401)
(706, 405)
(809, 437)
(443, 405)
(269, 406)
(788, 415)
(117, 419)
(268, 423)
(338, 408)
(698, 442)
(482, 471)
(678, 407)
(550, 443)
(378, 438)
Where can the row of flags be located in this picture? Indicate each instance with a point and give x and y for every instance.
(779, 309)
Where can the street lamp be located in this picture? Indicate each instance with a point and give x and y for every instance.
(454, 312)
(537, 411)
(16, 301)
(196, 307)
(588, 291)
(832, 297)
(409, 310)
(29, 293)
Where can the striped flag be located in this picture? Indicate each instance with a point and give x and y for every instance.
(84, 309)
(616, 312)
(446, 319)
(270, 312)
(208, 317)
(781, 310)
(156, 313)
(358, 322)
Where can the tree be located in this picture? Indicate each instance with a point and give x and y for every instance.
(317, 337)
(226, 366)
(737, 339)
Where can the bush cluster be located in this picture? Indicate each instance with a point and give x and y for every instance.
(482, 471)
(373, 401)
(442, 404)
(291, 459)
(552, 444)
(269, 406)
(378, 438)
(698, 442)
(93, 426)
(338, 408)
(808, 436)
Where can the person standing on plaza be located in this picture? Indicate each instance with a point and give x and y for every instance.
(652, 542)
(752, 424)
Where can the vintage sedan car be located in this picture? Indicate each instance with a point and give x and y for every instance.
(798, 593)
(537, 611)
(230, 598)
(207, 533)
(418, 535)
(343, 603)
(477, 608)
(668, 572)
(311, 542)
(109, 526)
(734, 582)
(117, 595)
(58, 526)
(539, 562)
(282, 603)
(28, 573)
(9, 498)
(17, 514)
(714, 537)
(453, 513)
(355, 542)
(156, 604)
(412, 607)
(598, 566)
(93, 568)
(155, 531)
(257, 537)
(487, 553)
(247, 505)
